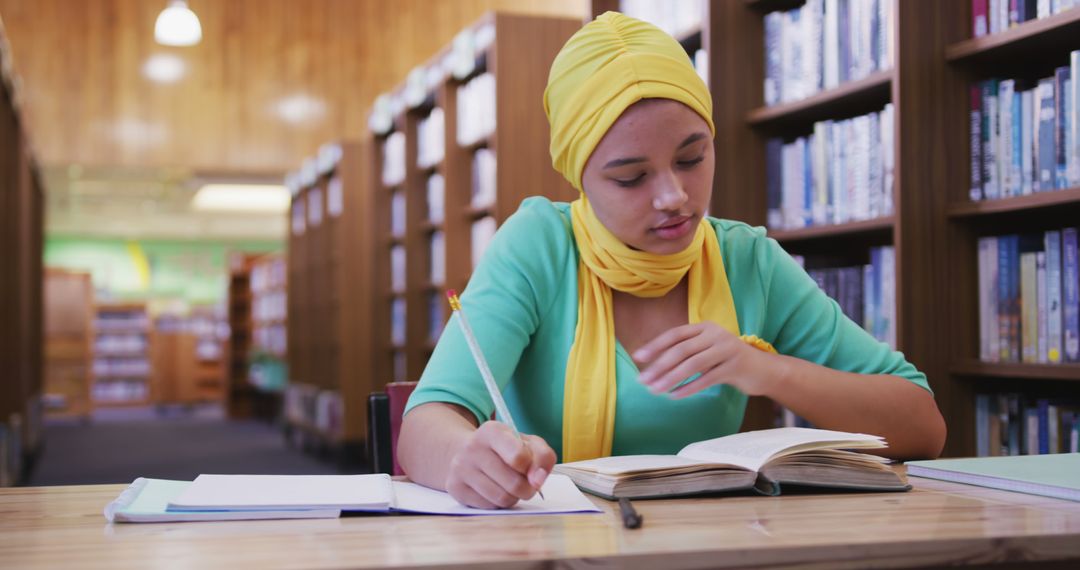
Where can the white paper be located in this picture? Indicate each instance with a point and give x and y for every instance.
(270, 492)
(560, 496)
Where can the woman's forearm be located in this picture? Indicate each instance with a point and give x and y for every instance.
(892, 407)
(431, 434)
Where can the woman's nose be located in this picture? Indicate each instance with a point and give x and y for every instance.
(669, 193)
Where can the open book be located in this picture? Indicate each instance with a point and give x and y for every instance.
(758, 460)
(236, 497)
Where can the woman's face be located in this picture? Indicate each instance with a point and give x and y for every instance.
(650, 178)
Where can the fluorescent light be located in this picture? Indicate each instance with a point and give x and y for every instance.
(177, 25)
(164, 68)
(254, 198)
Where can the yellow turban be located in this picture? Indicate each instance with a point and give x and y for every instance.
(608, 65)
(611, 63)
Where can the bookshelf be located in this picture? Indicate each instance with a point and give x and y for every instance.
(934, 226)
(69, 318)
(123, 354)
(188, 357)
(487, 89)
(21, 280)
(330, 342)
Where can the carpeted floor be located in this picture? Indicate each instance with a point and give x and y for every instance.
(118, 451)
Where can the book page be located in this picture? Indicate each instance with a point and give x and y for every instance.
(754, 449)
(269, 492)
(560, 496)
(623, 464)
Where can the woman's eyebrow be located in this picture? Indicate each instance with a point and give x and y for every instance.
(635, 159)
(692, 139)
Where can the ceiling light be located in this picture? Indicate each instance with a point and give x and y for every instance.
(254, 198)
(177, 25)
(164, 68)
(299, 109)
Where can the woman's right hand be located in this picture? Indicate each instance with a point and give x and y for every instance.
(493, 470)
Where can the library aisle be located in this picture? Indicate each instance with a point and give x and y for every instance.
(177, 446)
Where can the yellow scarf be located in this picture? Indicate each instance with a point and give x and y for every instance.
(606, 264)
(611, 63)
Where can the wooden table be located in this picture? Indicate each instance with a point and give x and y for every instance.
(937, 523)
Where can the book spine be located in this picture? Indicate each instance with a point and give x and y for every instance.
(1044, 426)
(1004, 139)
(1074, 117)
(773, 51)
(1061, 99)
(1029, 326)
(993, 295)
(888, 145)
(1016, 153)
(992, 15)
(1047, 154)
(1003, 298)
(984, 298)
(1014, 13)
(820, 207)
(989, 136)
(1041, 308)
(976, 124)
(830, 54)
(807, 212)
(1030, 445)
(773, 182)
(1053, 419)
(1070, 273)
(1052, 247)
(982, 425)
(873, 157)
(1027, 167)
(1014, 298)
(979, 26)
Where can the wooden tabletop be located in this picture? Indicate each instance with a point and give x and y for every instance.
(937, 523)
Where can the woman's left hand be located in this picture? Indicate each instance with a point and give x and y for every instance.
(707, 348)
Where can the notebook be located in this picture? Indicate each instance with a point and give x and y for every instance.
(146, 500)
(1055, 475)
(365, 493)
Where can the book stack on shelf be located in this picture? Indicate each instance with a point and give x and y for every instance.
(122, 355)
(441, 184)
(69, 318)
(268, 323)
(330, 300)
(188, 356)
(22, 220)
(1012, 215)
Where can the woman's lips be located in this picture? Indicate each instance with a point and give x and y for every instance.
(674, 228)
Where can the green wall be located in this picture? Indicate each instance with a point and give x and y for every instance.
(194, 271)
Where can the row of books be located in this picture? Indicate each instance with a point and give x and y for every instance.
(993, 16)
(393, 166)
(1012, 424)
(119, 391)
(476, 109)
(840, 173)
(269, 306)
(1028, 301)
(315, 207)
(120, 343)
(112, 321)
(436, 198)
(270, 339)
(483, 178)
(825, 43)
(436, 315)
(268, 275)
(335, 196)
(1025, 137)
(437, 250)
(113, 366)
(397, 321)
(482, 231)
(397, 214)
(865, 293)
(318, 409)
(431, 139)
(676, 18)
(397, 268)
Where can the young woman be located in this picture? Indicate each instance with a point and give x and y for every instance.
(629, 321)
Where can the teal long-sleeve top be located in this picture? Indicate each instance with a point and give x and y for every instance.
(522, 305)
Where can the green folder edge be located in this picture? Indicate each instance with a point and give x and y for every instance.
(1054, 475)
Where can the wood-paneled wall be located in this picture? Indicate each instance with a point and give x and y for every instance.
(89, 103)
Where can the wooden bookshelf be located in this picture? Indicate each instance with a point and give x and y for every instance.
(1028, 51)
(21, 280)
(330, 302)
(519, 47)
(123, 353)
(924, 91)
(69, 318)
(240, 396)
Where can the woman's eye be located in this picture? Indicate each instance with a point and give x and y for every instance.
(692, 162)
(628, 182)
